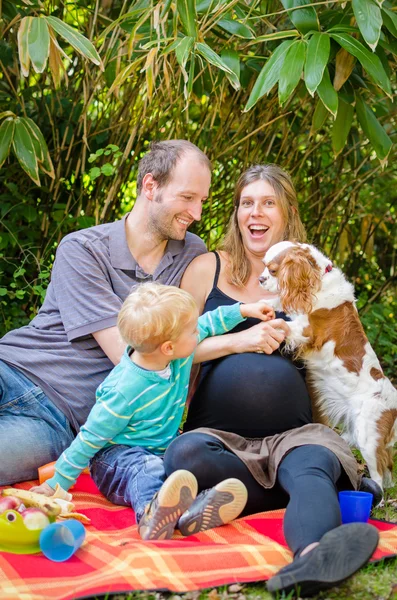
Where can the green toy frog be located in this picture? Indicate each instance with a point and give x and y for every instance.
(20, 531)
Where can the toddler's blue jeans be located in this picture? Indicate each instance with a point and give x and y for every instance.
(127, 475)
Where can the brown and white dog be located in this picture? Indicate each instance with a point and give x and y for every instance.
(344, 373)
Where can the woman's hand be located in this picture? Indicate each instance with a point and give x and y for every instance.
(258, 310)
(44, 489)
(262, 338)
(265, 337)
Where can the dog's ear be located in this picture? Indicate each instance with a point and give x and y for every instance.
(299, 278)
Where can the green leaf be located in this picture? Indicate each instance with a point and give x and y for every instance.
(94, 172)
(6, 135)
(373, 130)
(153, 43)
(304, 19)
(236, 28)
(316, 60)
(40, 146)
(23, 51)
(6, 113)
(30, 125)
(391, 47)
(3, 291)
(390, 20)
(39, 291)
(342, 126)
(369, 61)
(291, 70)
(75, 39)
(20, 272)
(125, 21)
(107, 169)
(369, 20)
(212, 57)
(276, 35)
(190, 82)
(187, 15)
(269, 75)
(38, 43)
(24, 150)
(231, 59)
(342, 29)
(319, 117)
(166, 8)
(328, 94)
(173, 46)
(384, 59)
(30, 214)
(132, 26)
(182, 52)
(204, 6)
(123, 75)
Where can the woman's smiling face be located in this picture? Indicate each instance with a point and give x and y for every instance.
(260, 218)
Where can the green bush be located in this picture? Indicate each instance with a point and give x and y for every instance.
(91, 85)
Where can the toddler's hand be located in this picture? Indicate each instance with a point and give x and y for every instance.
(258, 310)
(44, 489)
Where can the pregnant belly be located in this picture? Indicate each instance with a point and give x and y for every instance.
(253, 395)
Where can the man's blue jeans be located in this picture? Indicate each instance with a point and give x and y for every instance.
(33, 431)
(129, 476)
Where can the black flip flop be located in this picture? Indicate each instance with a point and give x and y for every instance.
(340, 553)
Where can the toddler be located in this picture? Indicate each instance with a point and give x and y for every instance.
(138, 411)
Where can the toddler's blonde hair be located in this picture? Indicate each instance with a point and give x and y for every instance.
(153, 314)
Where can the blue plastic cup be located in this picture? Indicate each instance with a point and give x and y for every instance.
(355, 507)
(59, 541)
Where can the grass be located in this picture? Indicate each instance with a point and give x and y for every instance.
(376, 581)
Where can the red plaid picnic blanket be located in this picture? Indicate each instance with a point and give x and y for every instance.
(114, 559)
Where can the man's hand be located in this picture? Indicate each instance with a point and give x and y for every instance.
(44, 489)
(258, 310)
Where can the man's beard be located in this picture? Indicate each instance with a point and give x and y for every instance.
(162, 227)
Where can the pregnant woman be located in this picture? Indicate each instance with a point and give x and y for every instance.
(250, 417)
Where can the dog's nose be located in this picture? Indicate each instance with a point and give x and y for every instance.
(262, 279)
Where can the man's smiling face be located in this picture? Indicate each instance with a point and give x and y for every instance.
(179, 203)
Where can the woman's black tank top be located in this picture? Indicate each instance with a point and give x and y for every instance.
(250, 394)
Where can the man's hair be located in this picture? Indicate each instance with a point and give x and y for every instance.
(153, 314)
(162, 158)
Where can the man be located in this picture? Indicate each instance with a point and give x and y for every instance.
(50, 369)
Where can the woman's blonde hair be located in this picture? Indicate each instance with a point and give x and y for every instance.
(153, 314)
(239, 266)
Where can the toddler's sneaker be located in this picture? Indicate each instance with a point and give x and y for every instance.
(214, 507)
(162, 513)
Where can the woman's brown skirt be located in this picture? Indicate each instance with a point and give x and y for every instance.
(263, 456)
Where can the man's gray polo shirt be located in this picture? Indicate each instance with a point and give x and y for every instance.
(92, 275)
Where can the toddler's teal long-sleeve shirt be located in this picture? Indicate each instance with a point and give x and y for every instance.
(136, 407)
